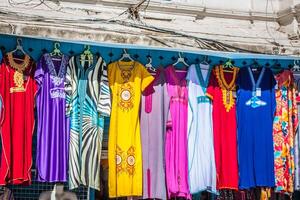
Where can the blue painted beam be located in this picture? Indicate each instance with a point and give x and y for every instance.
(160, 56)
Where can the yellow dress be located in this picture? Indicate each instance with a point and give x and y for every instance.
(127, 80)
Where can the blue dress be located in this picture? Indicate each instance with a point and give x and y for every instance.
(256, 106)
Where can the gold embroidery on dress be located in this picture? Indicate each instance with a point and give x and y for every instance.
(18, 66)
(131, 160)
(126, 94)
(125, 161)
(227, 90)
(126, 72)
(119, 159)
(18, 74)
(19, 81)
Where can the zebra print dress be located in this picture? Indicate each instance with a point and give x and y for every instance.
(88, 102)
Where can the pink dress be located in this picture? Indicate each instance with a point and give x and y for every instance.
(176, 137)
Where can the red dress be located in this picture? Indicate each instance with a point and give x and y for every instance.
(17, 91)
(221, 90)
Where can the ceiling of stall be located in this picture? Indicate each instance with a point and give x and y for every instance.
(264, 26)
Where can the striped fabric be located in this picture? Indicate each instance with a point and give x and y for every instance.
(88, 102)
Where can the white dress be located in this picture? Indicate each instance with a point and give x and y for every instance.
(202, 168)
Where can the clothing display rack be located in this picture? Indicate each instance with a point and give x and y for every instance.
(151, 57)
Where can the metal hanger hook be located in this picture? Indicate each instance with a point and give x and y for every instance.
(19, 41)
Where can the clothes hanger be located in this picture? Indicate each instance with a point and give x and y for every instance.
(205, 60)
(276, 67)
(19, 48)
(56, 52)
(255, 65)
(296, 67)
(228, 66)
(205, 63)
(87, 55)
(125, 56)
(180, 60)
(149, 64)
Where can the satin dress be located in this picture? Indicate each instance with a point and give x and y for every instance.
(52, 123)
(176, 155)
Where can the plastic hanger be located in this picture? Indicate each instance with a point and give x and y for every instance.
(87, 55)
(149, 64)
(296, 67)
(125, 56)
(255, 65)
(180, 60)
(204, 61)
(276, 67)
(228, 66)
(56, 51)
(19, 48)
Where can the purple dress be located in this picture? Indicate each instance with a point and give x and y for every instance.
(176, 154)
(52, 124)
(153, 125)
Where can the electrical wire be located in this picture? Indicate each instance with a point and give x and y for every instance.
(267, 27)
(147, 5)
(25, 3)
(202, 42)
(12, 2)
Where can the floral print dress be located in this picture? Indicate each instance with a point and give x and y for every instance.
(284, 130)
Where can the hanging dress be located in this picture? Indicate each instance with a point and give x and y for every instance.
(17, 92)
(221, 90)
(176, 155)
(88, 102)
(52, 123)
(255, 110)
(127, 81)
(202, 168)
(1, 103)
(153, 124)
(297, 137)
(284, 131)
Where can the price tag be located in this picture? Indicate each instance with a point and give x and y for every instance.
(258, 92)
(234, 94)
